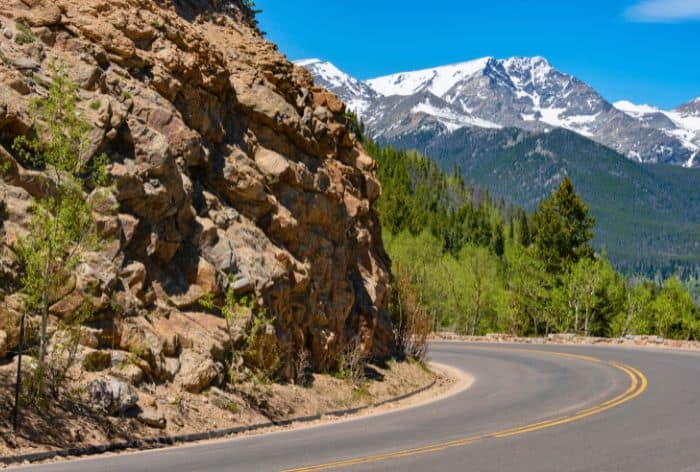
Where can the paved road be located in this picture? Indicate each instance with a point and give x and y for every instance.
(529, 409)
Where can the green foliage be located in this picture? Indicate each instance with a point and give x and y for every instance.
(250, 4)
(411, 320)
(647, 215)
(61, 229)
(24, 34)
(95, 105)
(524, 238)
(673, 311)
(562, 228)
(418, 196)
(232, 407)
(355, 125)
(254, 11)
(244, 316)
(453, 262)
(526, 286)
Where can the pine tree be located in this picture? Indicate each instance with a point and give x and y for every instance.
(498, 243)
(524, 238)
(562, 229)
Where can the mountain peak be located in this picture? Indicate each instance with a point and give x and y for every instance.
(330, 76)
(634, 109)
(528, 61)
(524, 92)
(309, 62)
(437, 80)
(692, 109)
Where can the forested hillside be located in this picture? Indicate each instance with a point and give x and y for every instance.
(648, 216)
(476, 265)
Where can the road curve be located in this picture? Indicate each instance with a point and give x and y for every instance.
(531, 408)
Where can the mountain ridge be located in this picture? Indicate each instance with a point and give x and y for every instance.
(523, 92)
(646, 210)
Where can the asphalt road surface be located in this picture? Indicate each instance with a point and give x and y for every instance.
(531, 408)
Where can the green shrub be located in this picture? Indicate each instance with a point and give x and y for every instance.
(24, 34)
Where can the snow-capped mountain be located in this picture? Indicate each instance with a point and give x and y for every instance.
(520, 92)
(356, 94)
(682, 123)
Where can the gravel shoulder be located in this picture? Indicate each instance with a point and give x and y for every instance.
(61, 426)
(632, 341)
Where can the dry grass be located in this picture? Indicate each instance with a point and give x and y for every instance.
(69, 424)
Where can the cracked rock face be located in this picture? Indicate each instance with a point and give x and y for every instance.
(227, 160)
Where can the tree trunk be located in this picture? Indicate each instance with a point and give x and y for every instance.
(477, 314)
(45, 303)
(44, 328)
(18, 382)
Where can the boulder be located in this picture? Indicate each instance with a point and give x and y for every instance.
(152, 417)
(271, 163)
(95, 360)
(197, 372)
(128, 372)
(3, 344)
(111, 395)
(44, 14)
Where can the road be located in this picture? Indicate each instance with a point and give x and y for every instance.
(530, 408)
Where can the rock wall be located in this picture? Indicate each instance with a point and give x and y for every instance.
(226, 160)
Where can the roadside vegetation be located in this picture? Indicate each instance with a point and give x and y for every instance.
(465, 262)
(61, 232)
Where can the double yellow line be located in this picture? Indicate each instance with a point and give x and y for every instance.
(638, 384)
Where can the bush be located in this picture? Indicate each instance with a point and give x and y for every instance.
(352, 362)
(412, 323)
(302, 369)
(24, 34)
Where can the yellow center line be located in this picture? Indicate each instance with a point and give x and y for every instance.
(638, 384)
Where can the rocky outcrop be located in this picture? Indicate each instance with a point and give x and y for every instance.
(229, 166)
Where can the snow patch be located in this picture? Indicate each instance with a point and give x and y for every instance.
(635, 110)
(450, 118)
(687, 126)
(335, 77)
(437, 80)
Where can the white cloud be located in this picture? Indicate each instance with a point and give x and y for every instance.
(664, 11)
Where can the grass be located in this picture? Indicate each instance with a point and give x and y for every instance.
(24, 34)
(95, 104)
(421, 363)
(360, 393)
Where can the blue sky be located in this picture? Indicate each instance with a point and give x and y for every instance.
(646, 51)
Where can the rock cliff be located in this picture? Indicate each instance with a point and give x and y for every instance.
(229, 166)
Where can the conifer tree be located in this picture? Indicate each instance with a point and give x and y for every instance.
(523, 229)
(562, 229)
